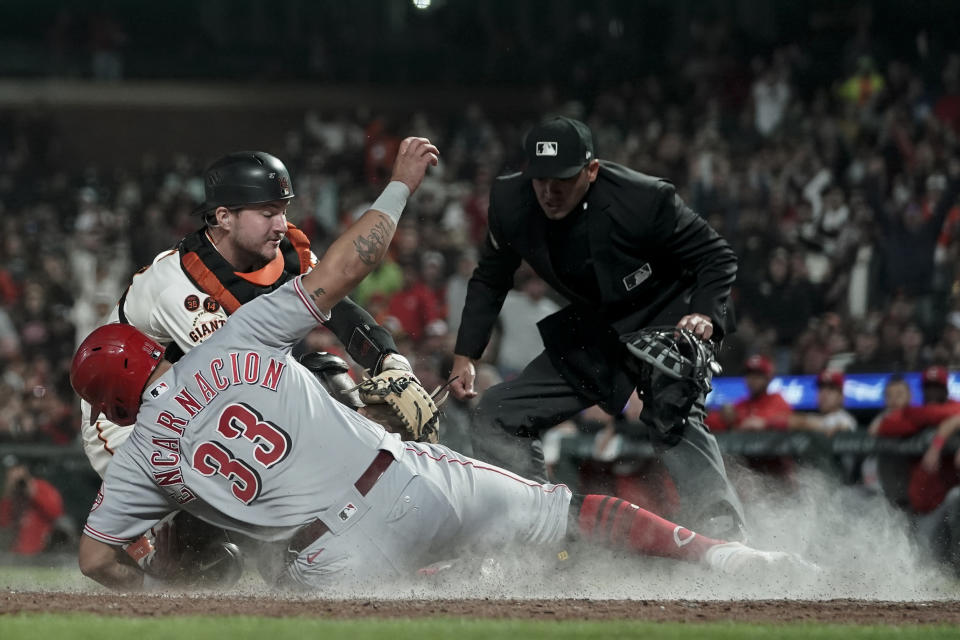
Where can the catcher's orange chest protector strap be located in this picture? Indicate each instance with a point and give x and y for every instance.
(209, 271)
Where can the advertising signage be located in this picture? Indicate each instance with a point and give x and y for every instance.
(860, 390)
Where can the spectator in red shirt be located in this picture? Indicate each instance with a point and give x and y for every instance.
(934, 497)
(937, 407)
(759, 410)
(29, 509)
(927, 487)
(415, 305)
(433, 274)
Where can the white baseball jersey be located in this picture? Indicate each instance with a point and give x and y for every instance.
(242, 436)
(163, 303)
(839, 420)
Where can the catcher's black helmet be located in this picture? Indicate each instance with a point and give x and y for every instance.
(245, 177)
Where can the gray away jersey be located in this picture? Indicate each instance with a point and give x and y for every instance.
(239, 434)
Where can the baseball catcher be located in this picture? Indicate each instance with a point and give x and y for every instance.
(244, 248)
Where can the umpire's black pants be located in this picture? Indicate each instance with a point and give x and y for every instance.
(511, 416)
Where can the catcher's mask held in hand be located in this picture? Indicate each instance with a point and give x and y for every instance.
(672, 369)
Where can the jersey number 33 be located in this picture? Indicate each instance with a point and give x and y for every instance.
(271, 446)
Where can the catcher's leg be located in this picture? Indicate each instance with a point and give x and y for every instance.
(182, 550)
(510, 417)
(708, 501)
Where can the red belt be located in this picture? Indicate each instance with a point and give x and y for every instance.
(310, 532)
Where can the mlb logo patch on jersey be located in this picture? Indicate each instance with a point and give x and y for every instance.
(547, 148)
(159, 389)
(633, 280)
(347, 512)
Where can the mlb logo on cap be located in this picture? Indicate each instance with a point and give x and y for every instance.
(557, 148)
(546, 148)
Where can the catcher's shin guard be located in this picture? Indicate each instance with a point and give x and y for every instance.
(183, 551)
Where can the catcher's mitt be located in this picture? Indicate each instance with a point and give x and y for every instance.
(395, 399)
(673, 368)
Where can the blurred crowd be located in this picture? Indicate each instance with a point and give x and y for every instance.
(840, 203)
(836, 187)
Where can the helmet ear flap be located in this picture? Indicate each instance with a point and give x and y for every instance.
(95, 411)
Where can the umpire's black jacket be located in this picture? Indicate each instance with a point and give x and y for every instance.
(655, 261)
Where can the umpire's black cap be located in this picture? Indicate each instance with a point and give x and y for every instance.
(245, 177)
(557, 148)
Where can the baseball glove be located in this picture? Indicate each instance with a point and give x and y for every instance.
(673, 368)
(395, 399)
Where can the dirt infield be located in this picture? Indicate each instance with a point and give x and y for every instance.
(757, 611)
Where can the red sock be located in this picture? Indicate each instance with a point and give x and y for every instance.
(618, 523)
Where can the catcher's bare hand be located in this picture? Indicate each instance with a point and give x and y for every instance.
(465, 372)
(698, 324)
(396, 362)
(413, 158)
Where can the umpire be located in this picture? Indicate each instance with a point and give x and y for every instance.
(627, 253)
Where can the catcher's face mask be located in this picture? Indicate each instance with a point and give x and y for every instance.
(672, 369)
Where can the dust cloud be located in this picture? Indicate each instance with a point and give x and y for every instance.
(861, 543)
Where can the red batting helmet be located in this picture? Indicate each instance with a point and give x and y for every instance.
(110, 370)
